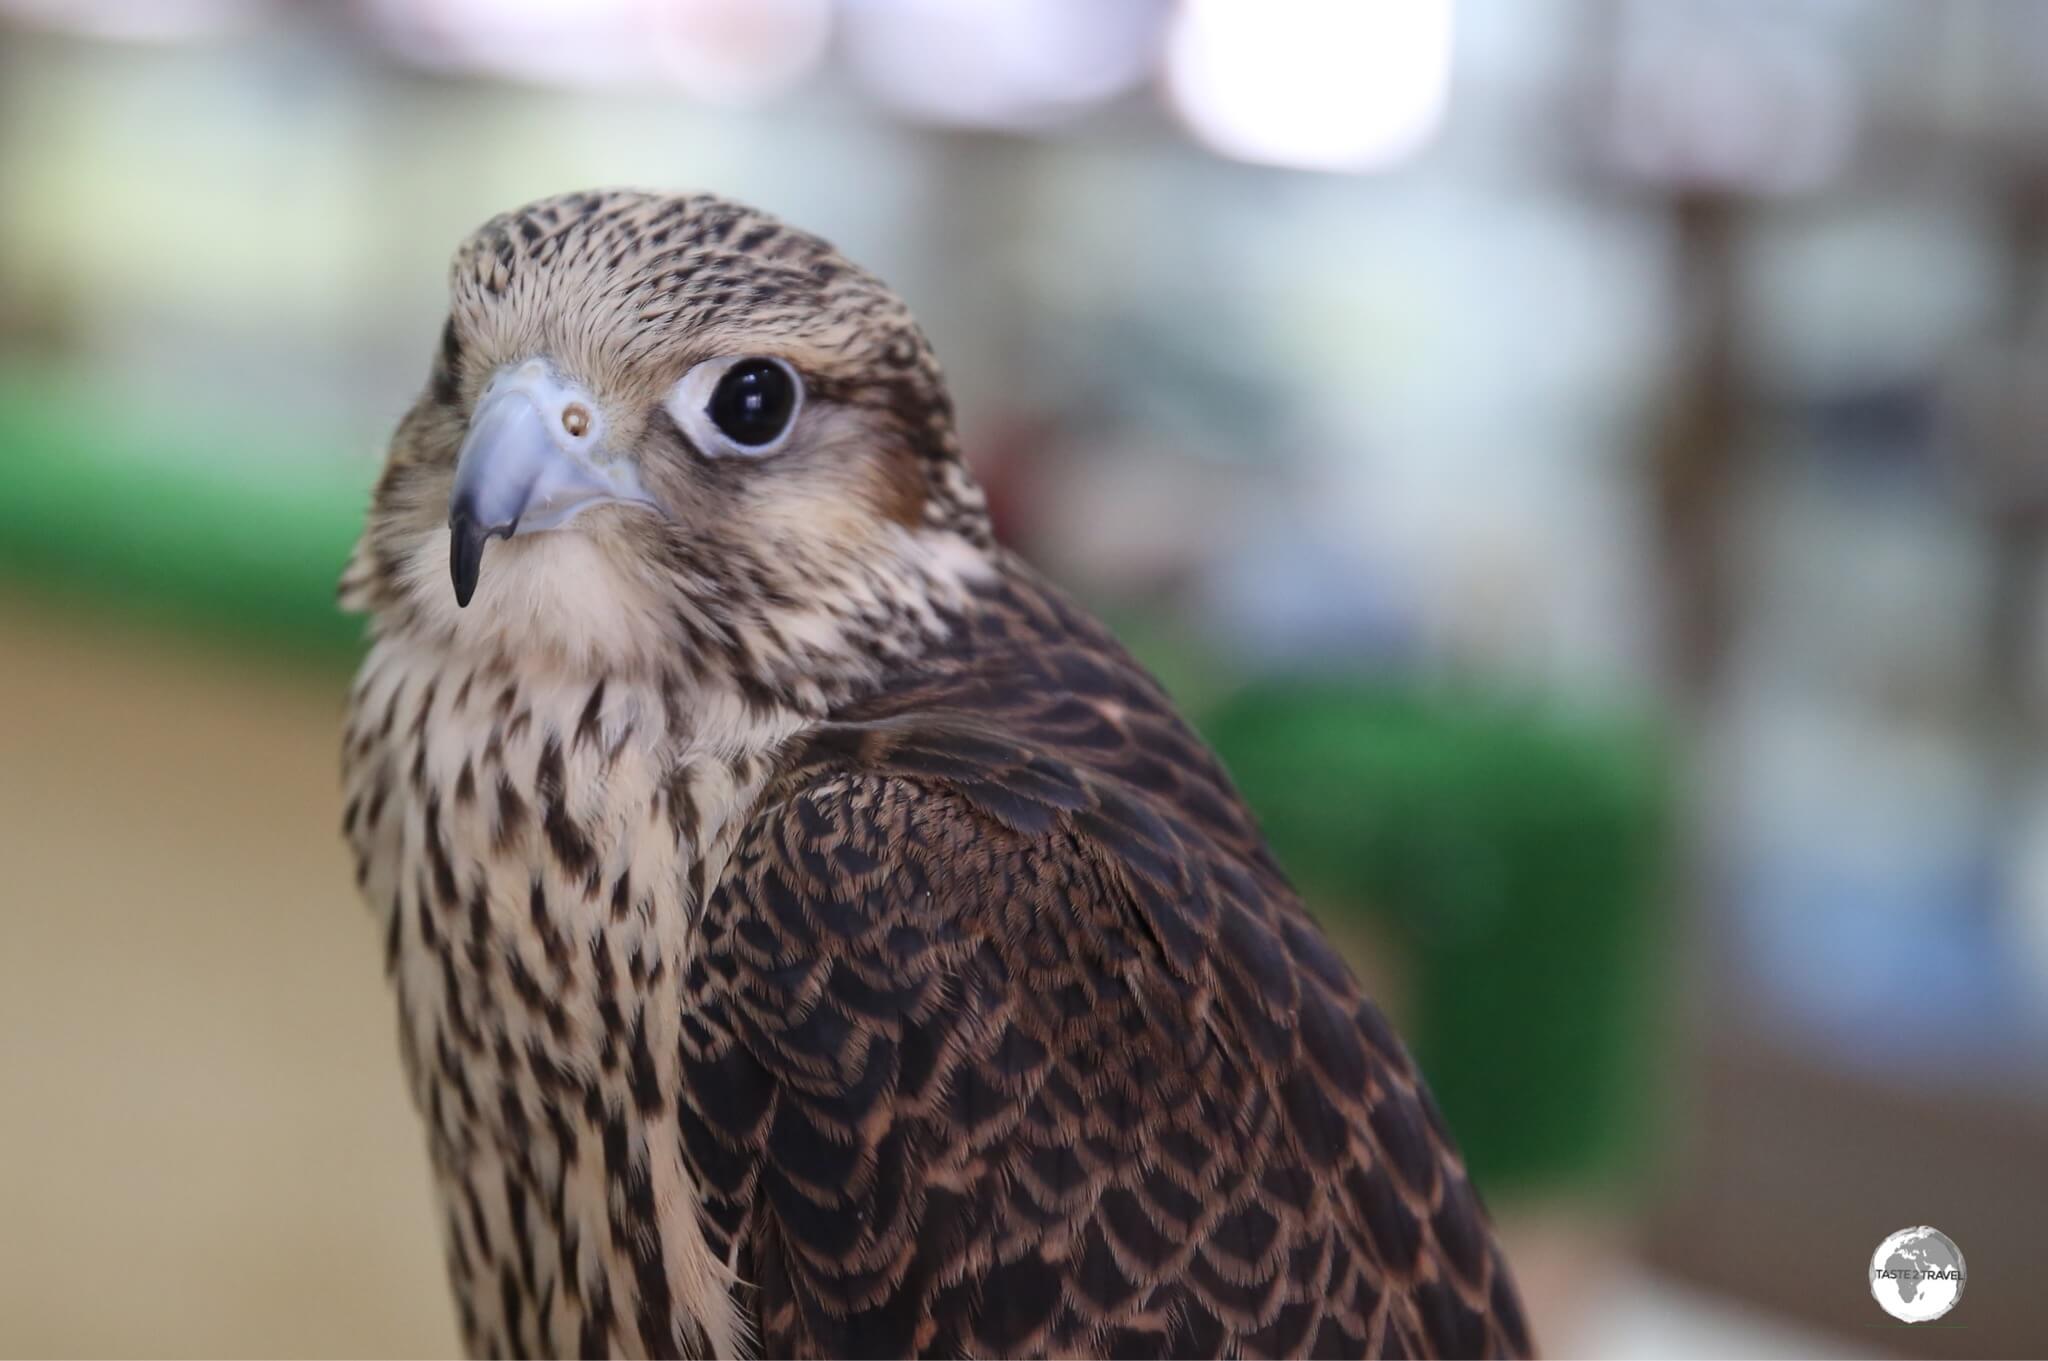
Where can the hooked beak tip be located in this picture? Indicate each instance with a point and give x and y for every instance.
(466, 540)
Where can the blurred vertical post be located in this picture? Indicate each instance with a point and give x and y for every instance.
(1696, 449)
(2014, 494)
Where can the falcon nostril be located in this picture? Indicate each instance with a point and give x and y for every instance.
(576, 419)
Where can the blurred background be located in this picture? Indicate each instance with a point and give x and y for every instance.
(1581, 461)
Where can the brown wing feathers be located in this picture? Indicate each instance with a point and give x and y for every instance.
(1007, 1037)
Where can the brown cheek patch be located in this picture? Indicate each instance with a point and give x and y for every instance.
(897, 485)
(840, 512)
(865, 454)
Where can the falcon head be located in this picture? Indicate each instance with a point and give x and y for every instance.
(669, 430)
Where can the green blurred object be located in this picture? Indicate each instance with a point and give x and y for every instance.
(181, 515)
(1518, 860)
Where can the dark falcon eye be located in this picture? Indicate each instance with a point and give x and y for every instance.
(753, 402)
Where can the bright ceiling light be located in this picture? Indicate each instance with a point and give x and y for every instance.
(1750, 98)
(1311, 84)
(741, 51)
(136, 20)
(722, 51)
(999, 63)
(547, 42)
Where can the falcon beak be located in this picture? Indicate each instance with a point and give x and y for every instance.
(535, 457)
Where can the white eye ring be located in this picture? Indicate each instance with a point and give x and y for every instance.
(690, 404)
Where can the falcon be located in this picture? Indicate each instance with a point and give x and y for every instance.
(812, 934)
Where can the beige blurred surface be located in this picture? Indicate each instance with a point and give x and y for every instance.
(205, 1146)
